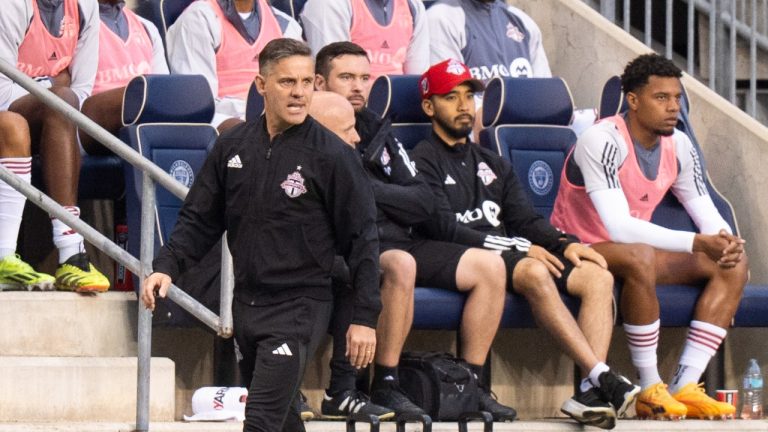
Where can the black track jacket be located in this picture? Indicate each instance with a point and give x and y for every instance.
(288, 207)
(479, 190)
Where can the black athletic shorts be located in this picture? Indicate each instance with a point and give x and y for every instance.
(512, 257)
(436, 261)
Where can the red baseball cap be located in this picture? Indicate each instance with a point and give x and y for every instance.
(442, 77)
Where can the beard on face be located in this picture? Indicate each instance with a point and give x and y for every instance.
(664, 132)
(456, 133)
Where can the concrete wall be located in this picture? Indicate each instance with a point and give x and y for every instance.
(586, 49)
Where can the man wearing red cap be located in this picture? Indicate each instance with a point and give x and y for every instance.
(404, 201)
(479, 189)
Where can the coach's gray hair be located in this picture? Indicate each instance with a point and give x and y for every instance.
(278, 49)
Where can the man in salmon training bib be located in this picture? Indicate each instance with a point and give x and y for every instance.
(393, 32)
(618, 172)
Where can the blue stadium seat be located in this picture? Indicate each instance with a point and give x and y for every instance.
(166, 13)
(167, 120)
(291, 7)
(612, 99)
(254, 105)
(397, 98)
(526, 122)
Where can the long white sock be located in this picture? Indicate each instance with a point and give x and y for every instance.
(643, 341)
(65, 238)
(12, 204)
(702, 343)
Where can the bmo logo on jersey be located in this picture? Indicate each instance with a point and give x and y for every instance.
(489, 210)
(520, 67)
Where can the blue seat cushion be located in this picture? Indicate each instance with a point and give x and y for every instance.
(753, 310)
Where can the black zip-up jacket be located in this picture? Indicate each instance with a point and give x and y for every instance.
(288, 205)
(403, 198)
(479, 189)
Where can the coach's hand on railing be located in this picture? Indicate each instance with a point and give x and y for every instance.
(156, 284)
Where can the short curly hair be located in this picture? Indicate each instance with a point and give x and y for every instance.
(638, 71)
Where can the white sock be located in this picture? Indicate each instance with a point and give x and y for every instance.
(643, 340)
(12, 204)
(65, 238)
(594, 374)
(702, 343)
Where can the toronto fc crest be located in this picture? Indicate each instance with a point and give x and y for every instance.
(294, 184)
(485, 173)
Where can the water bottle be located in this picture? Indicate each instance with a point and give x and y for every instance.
(752, 392)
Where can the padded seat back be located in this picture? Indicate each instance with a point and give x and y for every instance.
(526, 122)
(254, 105)
(291, 8)
(169, 11)
(166, 120)
(397, 98)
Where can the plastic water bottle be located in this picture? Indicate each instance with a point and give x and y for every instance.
(752, 392)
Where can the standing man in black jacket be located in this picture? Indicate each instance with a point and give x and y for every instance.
(404, 200)
(479, 190)
(290, 194)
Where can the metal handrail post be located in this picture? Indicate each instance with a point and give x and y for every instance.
(712, 43)
(752, 95)
(94, 130)
(145, 315)
(647, 24)
(668, 30)
(227, 284)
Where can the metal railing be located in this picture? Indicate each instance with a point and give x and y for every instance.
(729, 22)
(152, 174)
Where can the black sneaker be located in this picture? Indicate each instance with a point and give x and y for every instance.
(618, 391)
(305, 411)
(488, 402)
(352, 402)
(589, 409)
(395, 398)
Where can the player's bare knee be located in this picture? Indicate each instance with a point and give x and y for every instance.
(398, 270)
(14, 135)
(736, 277)
(492, 268)
(591, 280)
(532, 278)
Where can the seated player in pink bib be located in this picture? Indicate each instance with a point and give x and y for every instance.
(394, 33)
(128, 46)
(222, 39)
(55, 42)
(613, 180)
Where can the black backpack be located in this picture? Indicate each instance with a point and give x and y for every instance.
(439, 383)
